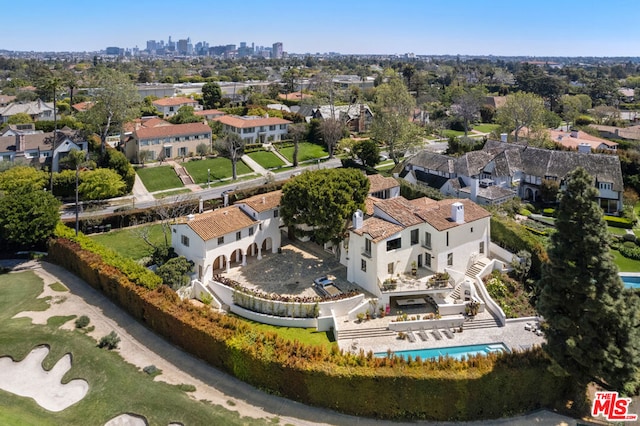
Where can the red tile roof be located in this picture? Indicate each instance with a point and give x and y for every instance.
(245, 122)
(174, 101)
(263, 202)
(219, 222)
(209, 112)
(378, 229)
(173, 130)
(380, 183)
(83, 106)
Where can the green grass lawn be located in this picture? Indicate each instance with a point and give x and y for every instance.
(450, 133)
(220, 169)
(624, 263)
(616, 231)
(304, 335)
(159, 178)
(115, 386)
(266, 159)
(306, 151)
(486, 127)
(129, 243)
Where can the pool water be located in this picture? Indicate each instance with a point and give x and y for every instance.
(630, 282)
(456, 352)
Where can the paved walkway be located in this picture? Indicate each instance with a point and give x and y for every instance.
(140, 192)
(254, 165)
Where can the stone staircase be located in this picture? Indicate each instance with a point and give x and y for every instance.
(475, 269)
(477, 323)
(364, 333)
(183, 175)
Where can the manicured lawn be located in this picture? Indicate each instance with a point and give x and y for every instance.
(616, 231)
(485, 127)
(159, 178)
(220, 169)
(115, 386)
(266, 159)
(449, 133)
(306, 151)
(304, 335)
(129, 243)
(624, 263)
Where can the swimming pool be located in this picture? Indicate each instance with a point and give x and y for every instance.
(630, 281)
(456, 352)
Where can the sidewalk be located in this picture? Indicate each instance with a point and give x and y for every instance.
(254, 165)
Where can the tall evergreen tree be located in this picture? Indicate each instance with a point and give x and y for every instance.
(591, 320)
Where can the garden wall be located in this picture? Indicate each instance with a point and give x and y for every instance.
(479, 388)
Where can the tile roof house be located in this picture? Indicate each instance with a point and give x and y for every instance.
(6, 100)
(357, 117)
(39, 148)
(254, 129)
(627, 133)
(170, 106)
(581, 141)
(216, 239)
(209, 114)
(38, 110)
(165, 140)
(502, 170)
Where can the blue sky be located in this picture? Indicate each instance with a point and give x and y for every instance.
(498, 27)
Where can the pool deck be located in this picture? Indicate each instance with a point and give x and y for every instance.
(513, 335)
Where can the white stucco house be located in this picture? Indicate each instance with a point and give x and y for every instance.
(255, 129)
(439, 236)
(216, 239)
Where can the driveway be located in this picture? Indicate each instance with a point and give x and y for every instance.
(141, 347)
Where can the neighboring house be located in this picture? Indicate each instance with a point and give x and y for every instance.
(216, 239)
(170, 106)
(581, 141)
(37, 110)
(167, 141)
(501, 171)
(627, 133)
(437, 235)
(304, 110)
(209, 114)
(39, 148)
(495, 101)
(157, 90)
(82, 106)
(357, 117)
(17, 129)
(6, 100)
(254, 129)
(294, 96)
(627, 94)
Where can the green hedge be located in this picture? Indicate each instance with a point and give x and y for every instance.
(360, 384)
(548, 212)
(618, 222)
(514, 237)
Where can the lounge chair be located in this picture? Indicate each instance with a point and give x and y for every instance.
(411, 337)
(422, 335)
(448, 333)
(436, 334)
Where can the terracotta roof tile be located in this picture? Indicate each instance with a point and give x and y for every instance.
(263, 202)
(378, 229)
(438, 214)
(209, 112)
(174, 130)
(219, 222)
(244, 122)
(380, 183)
(174, 101)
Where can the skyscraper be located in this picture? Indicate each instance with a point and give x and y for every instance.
(276, 52)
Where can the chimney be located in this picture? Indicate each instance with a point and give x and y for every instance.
(20, 145)
(474, 190)
(503, 137)
(574, 133)
(190, 217)
(357, 219)
(225, 197)
(200, 205)
(457, 212)
(584, 148)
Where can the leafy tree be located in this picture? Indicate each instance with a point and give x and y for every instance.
(297, 132)
(591, 330)
(185, 115)
(332, 131)
(571, 108)
(145, 76)
(27, 177)
(28, 217)
(211, 95)
(323, 200)
(521, 110)
(143, 156)
(391, 125)
(115, 103)
(231, 146)
(100, 184)
(117, 161)
(521, 264)
(202, 149)
(20, 118)
(466, 106)
(174, 272)
(549, 190)
(368, 151)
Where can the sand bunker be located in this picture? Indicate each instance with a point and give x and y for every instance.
(28, 378)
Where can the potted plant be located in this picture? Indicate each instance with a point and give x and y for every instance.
(360, 316)
(381, 312)
(472, 308)
(414, 268)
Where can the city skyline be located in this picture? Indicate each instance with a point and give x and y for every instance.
(500, 27)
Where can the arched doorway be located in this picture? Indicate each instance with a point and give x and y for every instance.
(252, 250)
(220, 264)
(236, 256)
(267, 244)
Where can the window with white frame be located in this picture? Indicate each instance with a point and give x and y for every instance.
(390, 268)
(450, 259)
(238, 235)
(363, 265)
(184, 240)
(251, 231)
(394, 244)
(414, 236)
(221, 240)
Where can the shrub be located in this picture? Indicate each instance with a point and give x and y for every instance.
(152, 370)
(548, 212)
(618, 222)
(583, 120)
(525, 212)
(206, 298)
(82, 322)
(186, 387)
(110, 341)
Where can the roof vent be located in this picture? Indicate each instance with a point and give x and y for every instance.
(190, 217)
